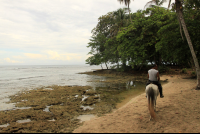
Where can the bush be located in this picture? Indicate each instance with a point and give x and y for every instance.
(193, 73)
(163, 69)
(184, 70)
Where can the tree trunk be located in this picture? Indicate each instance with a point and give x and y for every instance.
(106, 66)
(118, 65)
(180, 15)
(129, 13)
(160, 59)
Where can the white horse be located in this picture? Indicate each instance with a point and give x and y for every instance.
(152, 92)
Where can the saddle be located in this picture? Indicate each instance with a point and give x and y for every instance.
(152, 82)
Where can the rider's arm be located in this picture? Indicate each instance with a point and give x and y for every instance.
(158, 76)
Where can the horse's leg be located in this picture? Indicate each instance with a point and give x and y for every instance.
(155, 105)
(150, 118)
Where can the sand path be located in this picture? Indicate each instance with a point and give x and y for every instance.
(178, 111)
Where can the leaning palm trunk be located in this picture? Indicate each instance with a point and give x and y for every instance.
(180, 15)
(129, 13)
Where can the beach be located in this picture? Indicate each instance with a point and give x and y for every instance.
(177, 112)
(81, 109)
(66, 106)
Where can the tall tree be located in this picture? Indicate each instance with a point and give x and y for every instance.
(103, 38)
(156, 2)
(153, 3)
(127, 3)
(179, 11)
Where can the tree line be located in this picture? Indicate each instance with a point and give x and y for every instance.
(152, 36)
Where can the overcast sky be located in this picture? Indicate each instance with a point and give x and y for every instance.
(51, 32)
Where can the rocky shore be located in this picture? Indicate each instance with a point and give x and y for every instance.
(61, 109)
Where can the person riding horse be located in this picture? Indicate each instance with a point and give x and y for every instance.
(154, 78)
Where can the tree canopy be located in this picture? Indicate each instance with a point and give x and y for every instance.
(152, 37)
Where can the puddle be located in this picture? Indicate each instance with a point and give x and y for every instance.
(126, 90)
(86, 117)
(47, 109)
(48, 89)
(5, 125)
(24, 100)
(87, 107)
(52, 120)
(84, 97)
(102, 80)
(76, 96)
(130, 84)
(15, 108)
(98, 95)
(23, 121)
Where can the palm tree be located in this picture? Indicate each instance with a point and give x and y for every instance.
(152, 4)
(127, 3)
(156, 2)
(119, 20)
(178, 7)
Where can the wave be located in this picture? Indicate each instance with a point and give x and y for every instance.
(30, 77)
(21, 78)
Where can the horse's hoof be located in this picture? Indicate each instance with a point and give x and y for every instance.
(150, 118)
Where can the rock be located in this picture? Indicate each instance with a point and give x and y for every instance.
(165, 80)
(90, 93)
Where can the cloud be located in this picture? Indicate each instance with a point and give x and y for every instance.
(49, 31)
(35, 56)
(54, 55)
(12, 61)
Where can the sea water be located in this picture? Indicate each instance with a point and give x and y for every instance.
(18, 78)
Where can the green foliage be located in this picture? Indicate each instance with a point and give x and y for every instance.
(152, 37)
(184, 70)
(163, 69)
(193, 73)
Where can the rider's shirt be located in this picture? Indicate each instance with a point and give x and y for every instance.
(152, 74)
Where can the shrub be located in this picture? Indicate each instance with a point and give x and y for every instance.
(193, 73)
(184, 70)
(163, 69)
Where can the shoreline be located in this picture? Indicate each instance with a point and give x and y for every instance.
(59, 105)
(132, 110)
(177, 112)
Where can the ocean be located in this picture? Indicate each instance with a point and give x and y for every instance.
(18, 78)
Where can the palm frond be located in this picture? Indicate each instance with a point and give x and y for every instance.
(156, 2)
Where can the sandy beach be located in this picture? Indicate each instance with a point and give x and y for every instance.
(177, 112)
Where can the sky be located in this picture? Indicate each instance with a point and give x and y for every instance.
(51, 32)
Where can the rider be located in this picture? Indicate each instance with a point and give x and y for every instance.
(154, 78)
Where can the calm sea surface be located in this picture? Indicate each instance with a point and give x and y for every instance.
(18, 78)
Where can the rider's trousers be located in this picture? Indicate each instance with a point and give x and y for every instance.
(156, 83)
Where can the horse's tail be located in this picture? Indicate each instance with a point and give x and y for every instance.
(151, 99)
